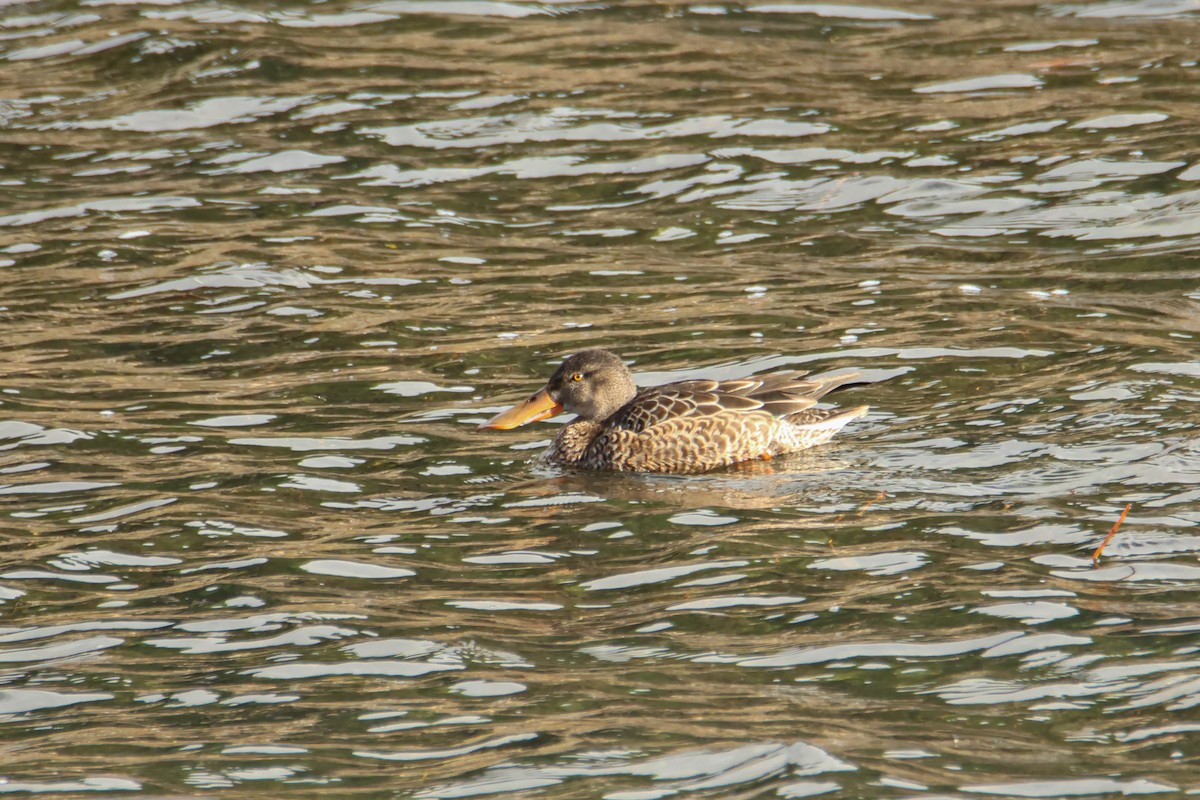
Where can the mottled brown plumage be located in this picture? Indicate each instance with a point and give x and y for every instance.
(689, 426)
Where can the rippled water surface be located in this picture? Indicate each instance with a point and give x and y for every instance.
(264, 268)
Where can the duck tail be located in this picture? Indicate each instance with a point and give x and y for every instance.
(832, 383)
(816, 426)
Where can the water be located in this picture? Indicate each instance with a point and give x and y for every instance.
(266, 267)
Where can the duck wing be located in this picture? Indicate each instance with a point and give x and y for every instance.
(659, 404)
(787, 395)
(778, 394)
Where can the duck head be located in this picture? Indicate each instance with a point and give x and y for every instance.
(591, 384)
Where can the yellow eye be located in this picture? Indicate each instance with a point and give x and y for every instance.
(578, 376)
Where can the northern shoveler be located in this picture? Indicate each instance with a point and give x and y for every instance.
(683, 427)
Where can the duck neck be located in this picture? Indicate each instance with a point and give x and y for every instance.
(572, 441)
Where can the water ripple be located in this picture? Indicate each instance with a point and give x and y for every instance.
(266, 269)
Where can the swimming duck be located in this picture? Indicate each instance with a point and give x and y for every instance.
(683, 427)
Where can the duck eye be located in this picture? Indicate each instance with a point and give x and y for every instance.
(578, 376)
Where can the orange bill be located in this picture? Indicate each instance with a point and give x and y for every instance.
(538, 407)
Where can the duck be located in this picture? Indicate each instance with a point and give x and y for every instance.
(684, 427)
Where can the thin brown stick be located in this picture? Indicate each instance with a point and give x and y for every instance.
(859, 513)
(1111, 533)
(872, 502)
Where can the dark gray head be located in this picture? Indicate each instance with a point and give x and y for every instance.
(592, 384)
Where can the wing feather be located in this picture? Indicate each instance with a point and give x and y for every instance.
(779, 395)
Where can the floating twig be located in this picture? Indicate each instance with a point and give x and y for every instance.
(872, 502)
(1111, 533)
(859, 513)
